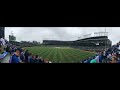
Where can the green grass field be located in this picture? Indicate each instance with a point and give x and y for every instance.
(60, 54)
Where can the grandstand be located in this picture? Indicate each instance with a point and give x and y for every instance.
(97, 42)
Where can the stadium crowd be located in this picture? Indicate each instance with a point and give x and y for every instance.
(19, 54)
(110, 55)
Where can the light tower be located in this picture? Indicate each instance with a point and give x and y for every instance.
(2, 32)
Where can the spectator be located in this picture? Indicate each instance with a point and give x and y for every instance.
(7, 49)
(97, 58)
(22, 56)
(101, 57)
(30, 56)
(43, 61)
(26, 56)
(3, 44)
(46, 61)
(104, 54)
(114, 59)
(118, 61)
(88, 60)
(109, 57)
(31, 60)
(85, 61)
(12, 51)
(40, 60)
(36, 59)
(118, 50)
(108, 61)
(14, 58)
(93, 61)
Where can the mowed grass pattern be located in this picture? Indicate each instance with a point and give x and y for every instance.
(63, 55)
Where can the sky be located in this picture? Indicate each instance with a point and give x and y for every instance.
(59, 33)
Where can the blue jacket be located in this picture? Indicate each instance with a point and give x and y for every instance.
(15, 59)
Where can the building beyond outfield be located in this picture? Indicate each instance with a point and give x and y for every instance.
(98, 42)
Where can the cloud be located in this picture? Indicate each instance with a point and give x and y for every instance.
(58, 33)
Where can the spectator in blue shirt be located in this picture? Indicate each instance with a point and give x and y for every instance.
(32, 59)
(29, 57)
(101, 57)
(36, 59)
(14, 58)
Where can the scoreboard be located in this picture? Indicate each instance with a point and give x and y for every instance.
(12, 38)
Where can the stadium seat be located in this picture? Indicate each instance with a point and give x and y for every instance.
(3, 55)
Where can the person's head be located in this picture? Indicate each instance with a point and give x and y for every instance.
(108, 61)
(46, 61)
(43, 60)
(36, 56)
(100, 53)
(26, 50)
(23, 49)
(30, 54)
(18, 52)
(114, 59)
